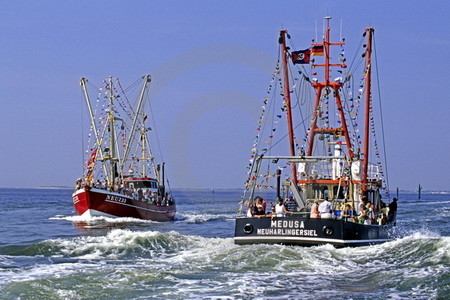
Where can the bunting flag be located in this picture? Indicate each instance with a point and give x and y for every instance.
(317, 50)
(90, 166)
(301, 56)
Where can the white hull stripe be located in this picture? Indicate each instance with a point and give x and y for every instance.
(288, 238)
(96, 213)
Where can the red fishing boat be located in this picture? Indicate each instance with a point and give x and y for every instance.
(335, 189)
(116, 180)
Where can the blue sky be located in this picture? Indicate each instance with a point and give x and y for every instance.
(210, 62)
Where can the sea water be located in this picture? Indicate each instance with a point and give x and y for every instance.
(47, 252)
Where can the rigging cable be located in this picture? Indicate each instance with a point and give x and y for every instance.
(83, 159)
(355, 56)
(381, 115)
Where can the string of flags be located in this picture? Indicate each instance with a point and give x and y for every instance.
(322, 115)
(304, 56)
(101, 111)
(261, 118)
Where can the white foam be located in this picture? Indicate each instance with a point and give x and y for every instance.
(195, 218)
(41, 271)
(100, 219)
(117, 243)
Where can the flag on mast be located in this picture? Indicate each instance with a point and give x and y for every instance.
(317, 50)
(301, 56)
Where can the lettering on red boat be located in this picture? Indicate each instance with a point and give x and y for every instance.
(116, 199)
(75, 199)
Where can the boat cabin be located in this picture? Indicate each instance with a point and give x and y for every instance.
(146, 183)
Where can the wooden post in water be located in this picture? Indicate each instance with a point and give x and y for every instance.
(420, 190)
(397, 193)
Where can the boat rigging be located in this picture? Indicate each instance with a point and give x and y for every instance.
(332, 163)
(116, 179)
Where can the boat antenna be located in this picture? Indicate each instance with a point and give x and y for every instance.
(316, 32)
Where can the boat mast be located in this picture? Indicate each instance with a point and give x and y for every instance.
(287, 99)
(368, 54)
(319, 87)
(147, 79)
(93, 124)
(112, 134)
(144, 149)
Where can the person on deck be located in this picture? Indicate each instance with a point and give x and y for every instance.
(264, 203)
(260, 201)
(315, 210)
(325, 209)
(250, 210)
(260, 206)
(259, 211)
(372, 214)
(363, 215)
(347, 213)
(290, 204)
(280, 210)
(392, 214)
(367, 214)
(362, 212)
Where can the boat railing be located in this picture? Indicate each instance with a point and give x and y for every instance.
(317, 167)
(300, 213)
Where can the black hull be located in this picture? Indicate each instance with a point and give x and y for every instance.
(297, 230)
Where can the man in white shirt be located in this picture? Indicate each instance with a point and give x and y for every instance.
(325, 209)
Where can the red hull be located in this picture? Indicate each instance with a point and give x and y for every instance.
(99, 202)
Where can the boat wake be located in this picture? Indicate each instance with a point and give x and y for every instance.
(182, 262)
(197, 218)
(102, 220)
(125, 244)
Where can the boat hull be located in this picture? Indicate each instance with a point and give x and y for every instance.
(298, 230)
(99, 202)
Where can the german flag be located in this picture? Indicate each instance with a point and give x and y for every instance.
(317, 50)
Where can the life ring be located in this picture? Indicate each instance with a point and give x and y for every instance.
(248, 228)
(328, 230)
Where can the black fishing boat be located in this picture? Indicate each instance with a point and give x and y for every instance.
(335, 189)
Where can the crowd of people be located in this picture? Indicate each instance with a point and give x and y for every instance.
(366, 213)
(141, 194)
(280, 209)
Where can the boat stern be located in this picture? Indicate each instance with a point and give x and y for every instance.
(307, 232)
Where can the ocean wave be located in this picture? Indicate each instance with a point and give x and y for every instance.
(424, 246)
(117, 244)
(197, 218)
(195, 266)
(255, 270)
